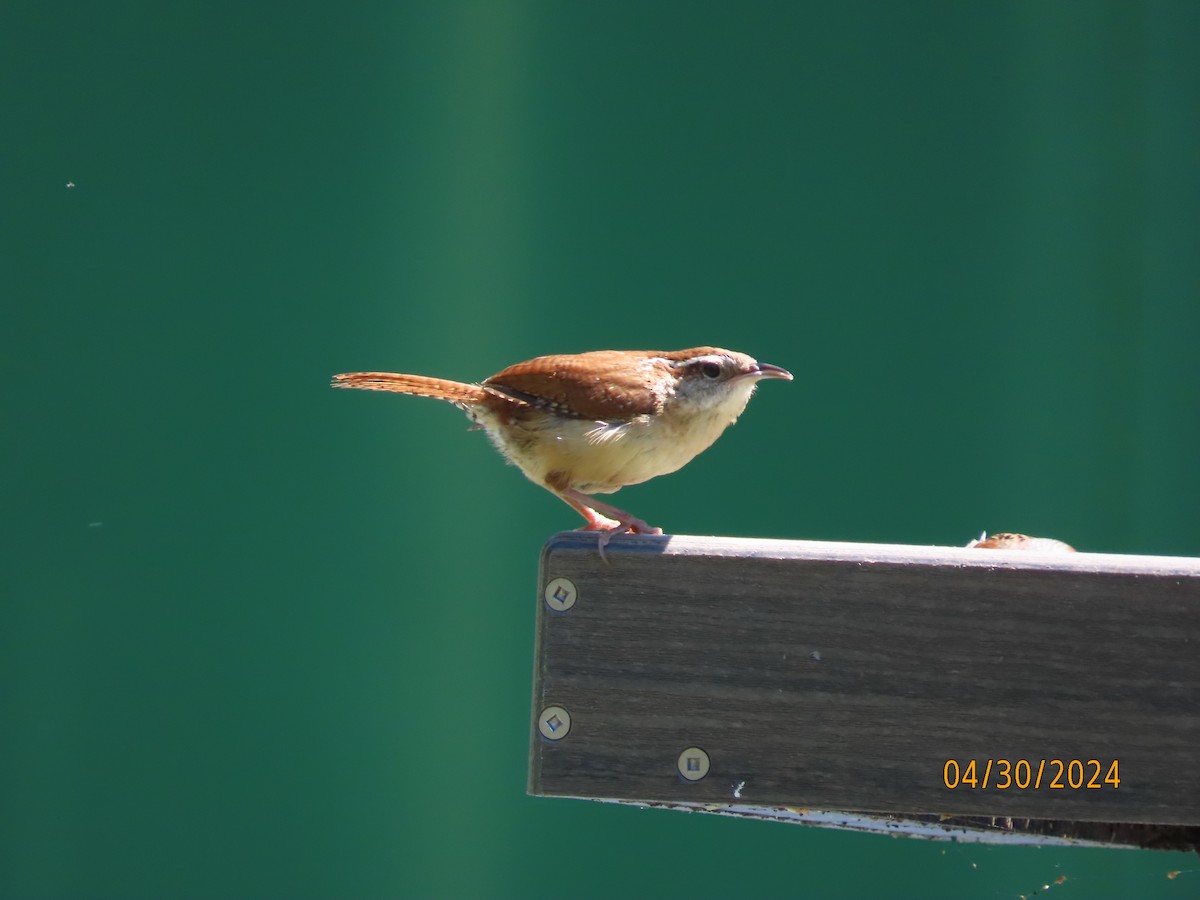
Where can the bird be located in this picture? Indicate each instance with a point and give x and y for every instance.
(1007, 540)
(591, 423)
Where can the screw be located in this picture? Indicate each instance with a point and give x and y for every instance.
(554, 723)
(692, 764)
(560, 594)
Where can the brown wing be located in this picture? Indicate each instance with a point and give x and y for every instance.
(604, 385)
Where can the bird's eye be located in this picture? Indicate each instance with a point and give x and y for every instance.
(710, 370)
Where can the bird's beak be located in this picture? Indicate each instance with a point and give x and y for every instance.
(766, 370)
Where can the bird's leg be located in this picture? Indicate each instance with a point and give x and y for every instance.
(597, 514)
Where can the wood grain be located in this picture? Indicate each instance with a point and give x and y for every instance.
(844, 676)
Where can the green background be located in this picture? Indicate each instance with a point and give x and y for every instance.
(259, 638)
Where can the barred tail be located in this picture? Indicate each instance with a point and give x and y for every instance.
(417, 385)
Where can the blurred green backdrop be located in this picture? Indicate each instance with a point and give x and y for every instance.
(259, 638)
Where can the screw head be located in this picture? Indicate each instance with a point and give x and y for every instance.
(554, 723)
(693, 764)
(560, 594)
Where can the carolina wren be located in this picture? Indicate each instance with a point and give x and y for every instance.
(1006, 540)
(591, 423)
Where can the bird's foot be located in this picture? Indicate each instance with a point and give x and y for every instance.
(607, 527)
(597, 522)
(634, 525)
(607, 520)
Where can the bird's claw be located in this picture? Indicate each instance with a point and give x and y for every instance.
(608, 527)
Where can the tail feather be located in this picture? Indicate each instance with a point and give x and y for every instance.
(417, 385)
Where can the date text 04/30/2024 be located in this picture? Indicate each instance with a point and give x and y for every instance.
(1021, 774)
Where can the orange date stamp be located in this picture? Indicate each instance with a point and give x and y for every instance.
(1036, 774)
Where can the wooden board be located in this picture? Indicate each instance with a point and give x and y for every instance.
(846, 676)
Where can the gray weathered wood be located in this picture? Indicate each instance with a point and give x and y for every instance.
(843, 676)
